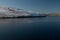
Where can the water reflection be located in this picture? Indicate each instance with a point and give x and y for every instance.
(28, 28)
(16, 28)
(9, 24)
(21, 20)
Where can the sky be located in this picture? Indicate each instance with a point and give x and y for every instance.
(42, 6)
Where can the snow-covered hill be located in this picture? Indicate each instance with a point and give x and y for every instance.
(10, 12)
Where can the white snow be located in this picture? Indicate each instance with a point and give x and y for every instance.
(10, 12)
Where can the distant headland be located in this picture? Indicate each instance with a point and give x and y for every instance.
(53, 14)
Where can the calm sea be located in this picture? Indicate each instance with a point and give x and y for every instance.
(44, 28)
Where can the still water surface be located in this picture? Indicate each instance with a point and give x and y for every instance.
(45, 28)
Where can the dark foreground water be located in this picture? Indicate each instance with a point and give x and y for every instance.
(46, 28)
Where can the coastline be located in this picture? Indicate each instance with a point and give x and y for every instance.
(21, 17)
